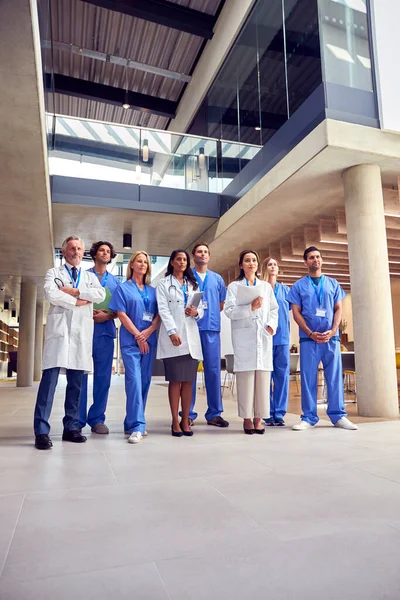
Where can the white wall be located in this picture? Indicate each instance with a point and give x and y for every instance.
(385, 29)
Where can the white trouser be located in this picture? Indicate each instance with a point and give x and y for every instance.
(253, 394)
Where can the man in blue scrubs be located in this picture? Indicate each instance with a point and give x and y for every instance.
(213, 300)
(103, 343)
(317, 309)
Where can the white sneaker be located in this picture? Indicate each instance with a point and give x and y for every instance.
(302, 426)
(135, 437)
(345, 423)
(145, 434)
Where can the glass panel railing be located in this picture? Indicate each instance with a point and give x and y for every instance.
(111, 152)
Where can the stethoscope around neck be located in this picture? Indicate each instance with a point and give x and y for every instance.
(172, 286)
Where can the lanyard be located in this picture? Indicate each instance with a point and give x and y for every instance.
(75, 284)
(143, 294)
(318, 289)
(202, 282)
(185, 291)
(103, 281)
(248, 285)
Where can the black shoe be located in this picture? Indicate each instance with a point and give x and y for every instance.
(260, 431)
(73, 436)
(176, 433)
(270, 422)
(248, 431)
(187, 433)
(43, 442)
(279, 422)
(218, 422)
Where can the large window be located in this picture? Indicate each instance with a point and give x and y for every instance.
(272, 69)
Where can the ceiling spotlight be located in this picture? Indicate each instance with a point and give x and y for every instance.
(127, 241)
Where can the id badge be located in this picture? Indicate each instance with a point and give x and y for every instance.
(205, 304)
(148, 316)
(320, 312)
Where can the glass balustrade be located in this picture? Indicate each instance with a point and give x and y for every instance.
(110, 152)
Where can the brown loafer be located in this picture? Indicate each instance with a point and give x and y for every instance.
(100, 428)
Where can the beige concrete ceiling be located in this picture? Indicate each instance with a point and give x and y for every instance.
(157, 233)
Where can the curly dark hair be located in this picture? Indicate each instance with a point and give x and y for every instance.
(93, 250)
(188, 273)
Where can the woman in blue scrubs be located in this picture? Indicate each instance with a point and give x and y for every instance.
(136, 304)
(279, 394)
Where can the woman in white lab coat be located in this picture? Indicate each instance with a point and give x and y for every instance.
(179, 342)
(253, 324)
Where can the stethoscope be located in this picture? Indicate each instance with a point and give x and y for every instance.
(172, 286)
(60, 283)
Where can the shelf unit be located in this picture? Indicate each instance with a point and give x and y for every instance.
(8, 343)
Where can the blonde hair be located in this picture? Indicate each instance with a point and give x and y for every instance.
(129, 270)
(264, 272)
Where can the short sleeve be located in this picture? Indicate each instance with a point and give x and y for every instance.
(339, 292)
(294, 296)
(118, 301)
(287, 290)
(222, 289)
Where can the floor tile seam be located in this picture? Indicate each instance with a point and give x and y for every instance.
(110, 467)
(86, 571)
(161, 580)
(241, 511)
(12, 538)
(377, 475)
(394, 528)
(69, 489)
(12, 494)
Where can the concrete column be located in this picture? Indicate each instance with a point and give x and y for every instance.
(37, 366)
(374, 344)
(26, 343)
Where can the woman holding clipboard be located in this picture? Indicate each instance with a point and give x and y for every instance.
(253, 310)
(179, 344)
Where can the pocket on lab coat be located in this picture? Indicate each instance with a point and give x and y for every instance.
(56, 326)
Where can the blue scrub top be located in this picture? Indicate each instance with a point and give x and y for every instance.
(303, 294)
(127, 299)
(108, 327)
(282, 335)
(214, 294)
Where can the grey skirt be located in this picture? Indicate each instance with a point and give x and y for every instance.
(180, 368)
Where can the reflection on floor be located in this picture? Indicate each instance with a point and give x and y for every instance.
(294, 515)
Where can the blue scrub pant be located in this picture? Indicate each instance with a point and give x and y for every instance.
(279, 395)
(138, 370)
(211, 347)
(103, 353)
(311, 354)
(45, 397)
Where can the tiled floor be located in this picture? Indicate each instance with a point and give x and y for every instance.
(286, 516)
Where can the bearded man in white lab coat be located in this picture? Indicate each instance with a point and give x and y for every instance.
(71, 292)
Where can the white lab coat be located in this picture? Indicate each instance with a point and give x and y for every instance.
(69, 328)
(252, 344)
(170, 300)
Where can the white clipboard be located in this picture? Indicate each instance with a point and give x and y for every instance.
(246, 294)
(195, 299)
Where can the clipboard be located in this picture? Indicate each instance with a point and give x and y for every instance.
(195, 299)
(246, 294)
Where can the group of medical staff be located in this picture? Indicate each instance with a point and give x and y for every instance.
(186, 309)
